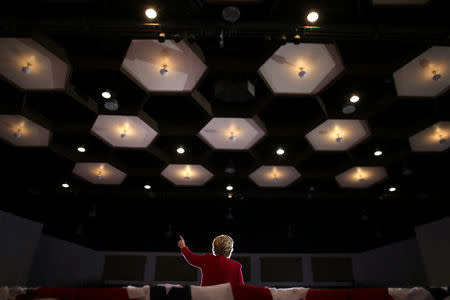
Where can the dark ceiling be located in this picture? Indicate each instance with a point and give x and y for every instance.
(312, 215)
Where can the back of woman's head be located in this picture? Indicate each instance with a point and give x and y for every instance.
(223, 245)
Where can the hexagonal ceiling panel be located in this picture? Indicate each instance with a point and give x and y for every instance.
(338, 135)
(432, 139)
(99, 173)
(361, 177)
(30, 66)
(400, 2)
(232, 133)
(20, 131)
(425, 76)
(123, 131)
(303, 69)
(163, 67)
(274, 176)
(187, 175)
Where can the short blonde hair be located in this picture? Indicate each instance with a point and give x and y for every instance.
(223, 245)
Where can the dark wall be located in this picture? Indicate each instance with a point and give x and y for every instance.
(18, 240)
(60, 263)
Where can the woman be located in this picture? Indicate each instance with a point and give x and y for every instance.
(217, 268)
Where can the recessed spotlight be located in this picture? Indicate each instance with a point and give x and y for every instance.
(106, 94)
(147, 187)
(111, 104)
(81, 149)
(348, 109)
(65, 185)
(354, 98)
(280, 151)
(180, 150)
(312, 17)
(302, 73)
(297, 39)
(378, 153)
(283, 39)
(151, 13)
(229, 187)
(26, 69)
(163, 71)
(230, 195)
(392, 189)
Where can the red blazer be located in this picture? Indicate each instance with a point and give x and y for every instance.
(215, 269)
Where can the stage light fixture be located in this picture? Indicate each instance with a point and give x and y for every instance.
(99, 175)
(436, 76)
(302, 73)
(232, 137)
(339, 139)
(124, 135)
(161, 37)
(18, 133)
(151, 13)
(187, 176)
(163, 71)
(106, 94)
(297, 39)
(312, 17)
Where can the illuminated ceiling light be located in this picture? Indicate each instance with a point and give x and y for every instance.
(161, 37)
(18, 133)
(99, 175)
(442, 140)
(283, 39)
(180, 150)
(280, 151)
(232, 137)
(81, 149)
(187, 176)
(392, 189)
(124, 134)
(177, 37)
(147, 187)
(111, 104)
(354, 98)
(348, 109)
(312, 17)
(106, 94)
(151, 13)
(163, 71)
(26, 69)
(378, 153)
(302, 73)
(436, 76)
(297, 39)
(229, 187)
(65, 185)
(339, 139)
(230, 195)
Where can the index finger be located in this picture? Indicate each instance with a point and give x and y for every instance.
(181, 237)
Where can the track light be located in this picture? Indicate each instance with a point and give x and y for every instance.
(163, 71)
(99, 175)
(361, 178)
(26, 69)
(297, 39)
(177, 37)
(436, 76)
(275, 178)
(302, 73)
(187, 176)
(312, 17)
(339, 139)
(162, 37)
(283, 39)
(442, 140)
(18, 133)
(151, 13)
(106, 94)
(230, 195)
(124, 135)
(229, 187)
(232, 137)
